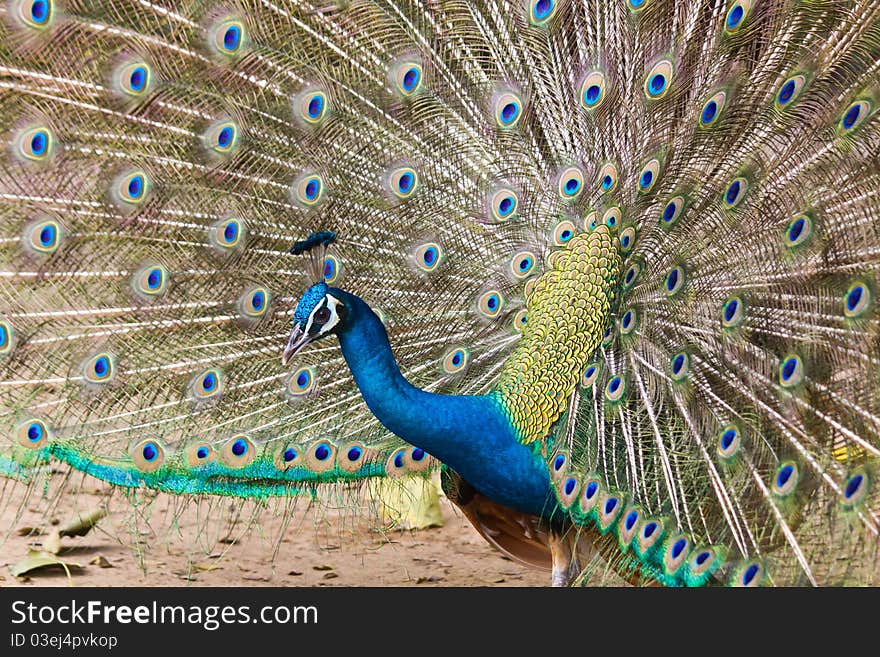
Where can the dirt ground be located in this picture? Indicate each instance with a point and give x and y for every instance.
(159, 542)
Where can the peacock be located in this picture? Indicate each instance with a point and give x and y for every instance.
(611, 266)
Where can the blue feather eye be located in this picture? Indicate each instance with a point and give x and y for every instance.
(627, 526)
(227, 37)
(607, 178)
(590, 494)
(289, 456)
(674, 281)
(750, 575)
(735, 192)
(300, 384)
(522, 264)
(679, 366)
(736, 16)
(592, 92)
(507, 110)
(608, 509)
(308, 190)
(490, 303)
(331, 270)
(853, 117)
(563, 232)
(99, 369)
(253, 303)
(591, 374)
(855, 489)
(148, 455)
(350, 457)
(638, 5)
(648, 175)
(455, 360)
(571, 183)
(34, 144)
(227, 234)
(131, 189)
(205, 385)
(627, 239)
(200, 454)
(428, 256)
(311, 106)
(7, 337)
(503, 204)
(732, 313)
(406, 76)
(856, 300)
(615, 388)
(150, 281)
(221, 137)
(42, 237)
(132, 78)
(729, 441)
(35, 14)
(712, 109)
(791, 371)
(658, 79)
(677, 550)
(628, 322)
(402, 181)
(789, 91)
(33, 434)
(672, 211)
(631, 275)
(786, 478)
(799, 231)
(238, 451)
(541, 11)
(321, 456)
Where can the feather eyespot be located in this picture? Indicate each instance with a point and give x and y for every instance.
(855, 489)
(206, 385)
(627, 239)
(350, 457)
(200, 454)
(227, 234)
(254, 303)
(428, 257)
(789, 91)
(455, 361)
(729, 442)
(679, 366)
(131, 189)
(612, 217)
(227, 37)
(503, 204)
(736, 191)
(520, 321)
(238, 451)
(490, 303)
(150, 281)
(563, 232)
(7, 337)
(221, 137)
(321, 456)
(508, 110)
(674, 281)
(856, 300)
(288, 457)
(608, 510)
(607, 178)
(541, 11)
(407, 77)
(34, 144)
(736, 16)
(522, 264)
(590, 494)
(677, 550)
(308, 190)
(571, 183)
(132, 78)
(332, 269)
(592, 92)
(786, 478)
(712, 109)
(631, 275)
(648, 175)
(99, 369)
(402, 182)
(732, 313)
(33, 434)
(798, 231)
(35, 14)
(615, 388)
(42, 237)
(628, 322)
(672, 211)
(750, 575)
(791, 371)
(300, 383)
(593, 371)
(148, 455)
(658, 80)
(854, 116)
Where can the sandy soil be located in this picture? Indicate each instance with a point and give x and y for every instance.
(159, 542)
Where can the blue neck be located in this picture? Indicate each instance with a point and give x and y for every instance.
(469, 433)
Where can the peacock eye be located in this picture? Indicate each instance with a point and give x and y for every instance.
(322, 315)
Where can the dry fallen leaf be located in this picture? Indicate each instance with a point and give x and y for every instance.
(29, 531)
(52, 543)
(206, 566)
(100, 562)
(330, 575)
(37, 559)
(322, 567)
(82, 523)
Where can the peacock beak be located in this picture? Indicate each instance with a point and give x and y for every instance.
(298, 339)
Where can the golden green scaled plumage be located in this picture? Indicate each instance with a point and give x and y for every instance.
(613, 263)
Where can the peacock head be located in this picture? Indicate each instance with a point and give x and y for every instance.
(320, 312)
